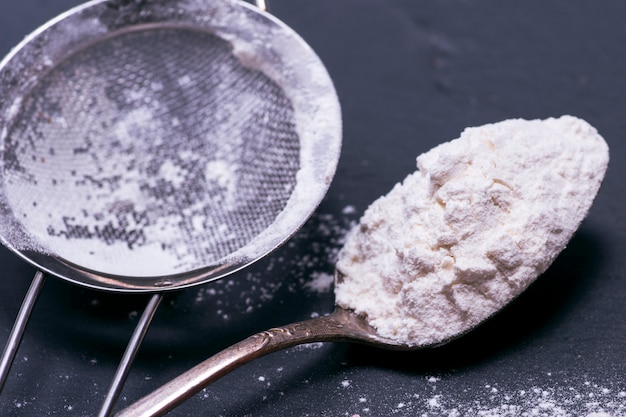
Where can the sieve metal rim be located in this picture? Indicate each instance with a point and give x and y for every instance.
(324, 141)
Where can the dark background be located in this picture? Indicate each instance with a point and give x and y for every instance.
(410, 74)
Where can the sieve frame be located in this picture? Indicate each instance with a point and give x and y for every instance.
(279, 52)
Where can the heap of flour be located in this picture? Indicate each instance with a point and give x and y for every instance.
(479, 220)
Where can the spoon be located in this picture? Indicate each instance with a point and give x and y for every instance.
(342, 325)
(468, 284)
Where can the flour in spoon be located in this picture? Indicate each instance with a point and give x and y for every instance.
(479, 220)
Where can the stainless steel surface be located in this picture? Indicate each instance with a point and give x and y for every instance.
(158, 146)
(129, 355)
(19, 326)
(262, 4)
(341, 325)
(154, 146)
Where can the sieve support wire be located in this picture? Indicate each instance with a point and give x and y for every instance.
(129, 355)
(17, 332)
(263, 5)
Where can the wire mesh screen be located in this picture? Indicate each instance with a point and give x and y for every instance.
(151, 152)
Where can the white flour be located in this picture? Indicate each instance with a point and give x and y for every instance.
(578, 397)
(482, 217)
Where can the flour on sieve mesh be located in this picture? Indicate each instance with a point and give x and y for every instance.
(151, 168)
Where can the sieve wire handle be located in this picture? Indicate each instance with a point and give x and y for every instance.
(17, 332)
(129, 355)
(262, 4)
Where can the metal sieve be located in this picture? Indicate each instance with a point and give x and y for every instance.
(159, 144)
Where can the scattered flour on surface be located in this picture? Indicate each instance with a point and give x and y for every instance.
(573, 398)
(320, 282)
(310, 272)
(479, 220)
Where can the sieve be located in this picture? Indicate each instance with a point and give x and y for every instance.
(155, 145)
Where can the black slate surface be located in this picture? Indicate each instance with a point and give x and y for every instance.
(410, 74)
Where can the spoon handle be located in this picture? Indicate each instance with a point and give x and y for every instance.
(341, 325)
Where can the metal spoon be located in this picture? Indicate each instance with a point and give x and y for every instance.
(341, 325)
